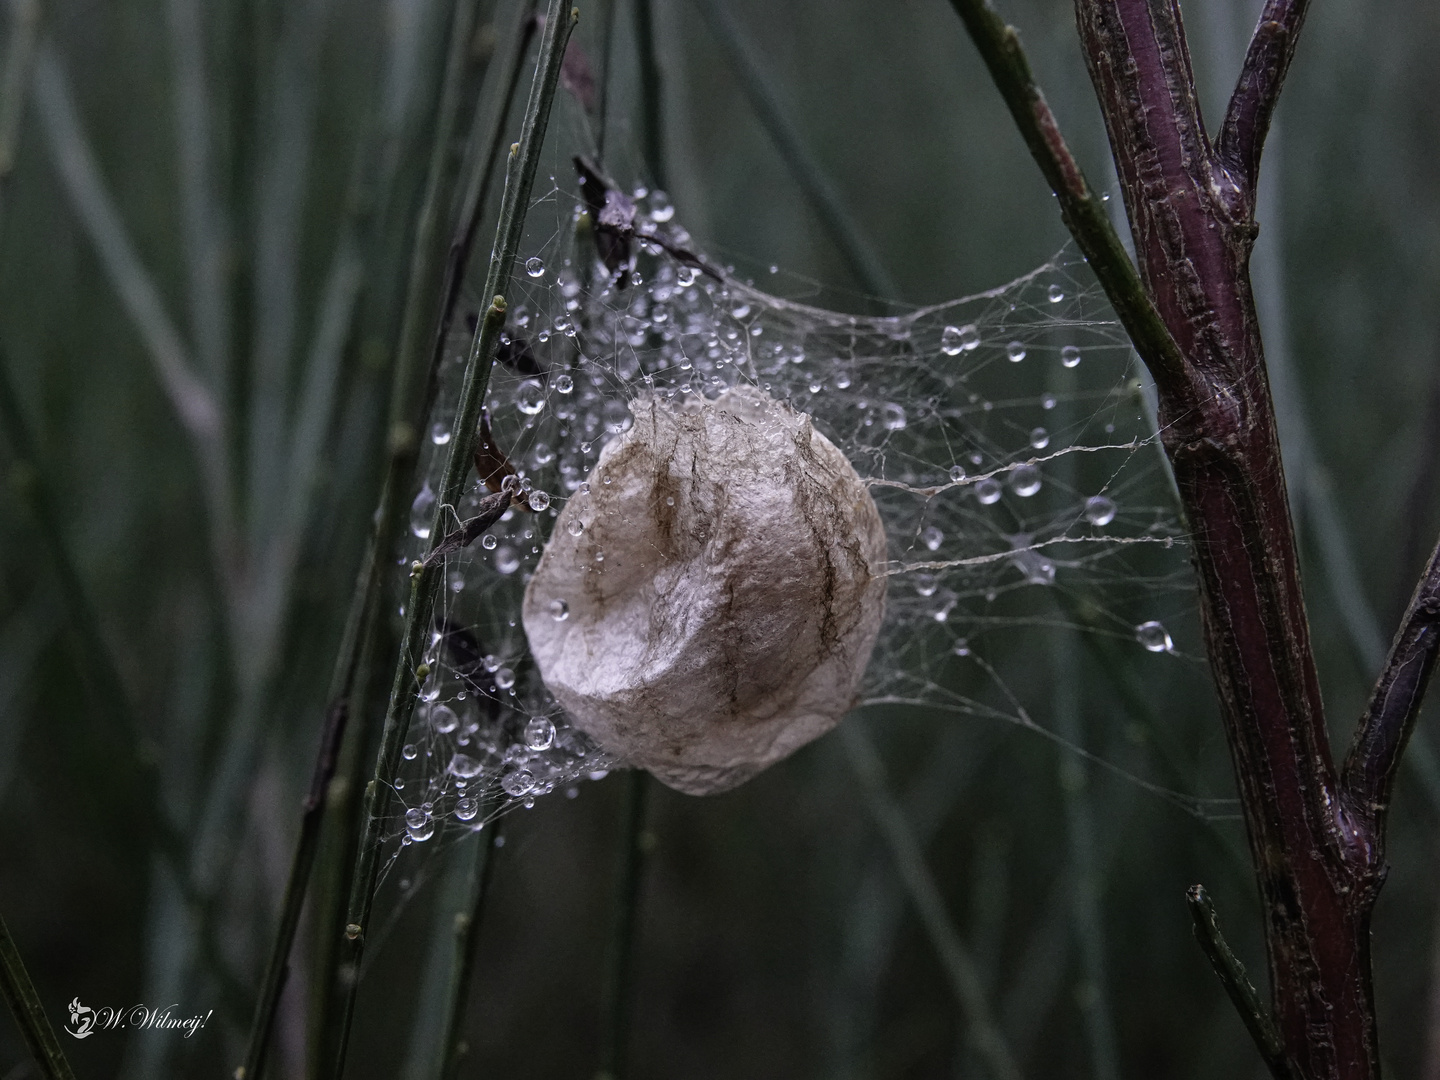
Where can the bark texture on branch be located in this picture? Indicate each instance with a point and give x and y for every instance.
(1316, 836)
(1191, 208)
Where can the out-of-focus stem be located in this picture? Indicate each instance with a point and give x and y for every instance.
(617, 992)
(411, 669)
(24, 1002)
(959, 966)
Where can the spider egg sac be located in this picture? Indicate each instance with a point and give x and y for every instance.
(723, 595)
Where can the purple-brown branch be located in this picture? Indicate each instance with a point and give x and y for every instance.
(1374, 757)
(1316, 838)
(1191, 214)
(1267, 60)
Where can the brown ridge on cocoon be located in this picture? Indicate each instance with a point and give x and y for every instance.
(723, 598)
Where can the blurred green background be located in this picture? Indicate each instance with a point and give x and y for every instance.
(774, 937)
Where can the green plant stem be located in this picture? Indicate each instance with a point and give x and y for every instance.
(427, 259)
(466, 928)
(814, 181)
(410, 399)
(1237, 983)
(616, 994)
(1083, 213)
(436, 1046)
(520, 176)
(602, 98)
(483, 155)
(24, 1002)
(960, 968)
(14, 81)
(420, 298)
(189, 396)
(339, 836)
(312, 817)
(652, 108)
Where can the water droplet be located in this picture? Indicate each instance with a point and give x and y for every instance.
(467, 808)
(892, 416)
(1070, 356)
(1154, 637)
(507, 560)
(422, 512)
(504, 678)
(1025, 481)
(530, 397)
(615, 416)
(1037, 569)
(988, 491)
(962, 647)
(539, 734)
(575, 526)
(739, 311)
(408, 752)
(957, 473)
(1099, 510)
(957, 339)
(518, 783)
(1039, 438)
(1015, 352)
(660, 208)
(925, 584)
(419, 824)
(439, 434)
(1047, 401)
(534, 267)
(564, 384)
(1055, 293)
(932, 537)
(465, 766)
(399, 784)
(488, 542)
(559, 610)
(444, 719)
(685, 276)
(539, 501)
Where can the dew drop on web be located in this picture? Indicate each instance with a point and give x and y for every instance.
(1099, 510)
(1154, 637)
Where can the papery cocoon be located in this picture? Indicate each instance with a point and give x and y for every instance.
(718, 606)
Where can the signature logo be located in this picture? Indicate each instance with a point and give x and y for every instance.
(85, 1021)
(82, 1020)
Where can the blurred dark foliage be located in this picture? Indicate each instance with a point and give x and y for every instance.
(774, 939)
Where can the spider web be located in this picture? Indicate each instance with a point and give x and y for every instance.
(1004, 437)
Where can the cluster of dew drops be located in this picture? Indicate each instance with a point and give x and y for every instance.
(578, 346)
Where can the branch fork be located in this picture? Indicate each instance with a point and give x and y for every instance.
(1316, 833)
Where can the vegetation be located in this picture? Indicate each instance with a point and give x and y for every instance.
(235, 238)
